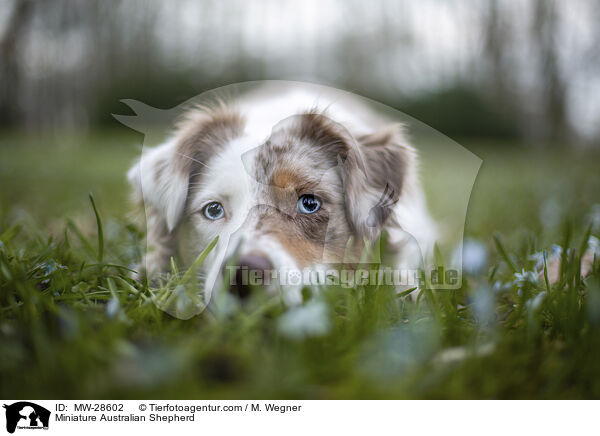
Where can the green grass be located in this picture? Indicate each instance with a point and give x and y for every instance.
(74, 324)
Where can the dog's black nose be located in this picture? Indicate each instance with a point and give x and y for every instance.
(250, 270)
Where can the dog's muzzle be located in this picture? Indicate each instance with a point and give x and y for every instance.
(247, 272)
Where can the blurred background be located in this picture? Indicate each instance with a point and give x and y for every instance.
(525, 70)
(515, 82)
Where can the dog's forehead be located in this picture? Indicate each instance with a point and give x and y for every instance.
(227, 171)
(290, 154)
(231, 173)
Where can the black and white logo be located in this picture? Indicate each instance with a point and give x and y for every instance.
(26, 415)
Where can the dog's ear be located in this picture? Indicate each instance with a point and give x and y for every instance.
(162, 175)
(386, 165)
(160, 184)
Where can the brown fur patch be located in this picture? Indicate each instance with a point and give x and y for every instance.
(302, 236)
(203, 132)
(325, 134)
(305, 243)
(304, 252)
(285, 178)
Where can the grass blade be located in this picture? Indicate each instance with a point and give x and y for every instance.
(100, 232)
(503, 253)
(199, 260)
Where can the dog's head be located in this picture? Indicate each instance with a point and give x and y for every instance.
(310, 193)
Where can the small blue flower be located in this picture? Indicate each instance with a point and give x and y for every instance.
(474, 256)
(50, 266)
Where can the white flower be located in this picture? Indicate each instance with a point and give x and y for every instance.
(594, 245)
(305, 321)
(538, 257)
(526, 277)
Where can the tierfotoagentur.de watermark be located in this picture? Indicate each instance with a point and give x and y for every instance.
(348, 278)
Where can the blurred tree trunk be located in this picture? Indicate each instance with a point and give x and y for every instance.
(495, 41)
(9, 66)
(554, 111)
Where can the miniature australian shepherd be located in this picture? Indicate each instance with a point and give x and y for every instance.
(289, 178)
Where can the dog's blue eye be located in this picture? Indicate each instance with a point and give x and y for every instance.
(214, 211)
(308, 204)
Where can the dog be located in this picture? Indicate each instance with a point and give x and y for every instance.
(287, 177)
